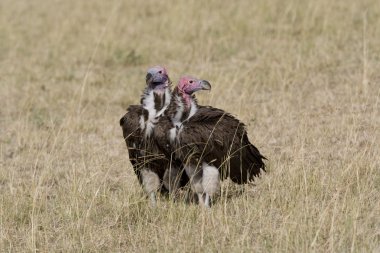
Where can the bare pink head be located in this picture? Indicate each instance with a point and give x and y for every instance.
(188, 85)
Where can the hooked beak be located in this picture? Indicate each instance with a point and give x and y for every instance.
(156, 79)
(205, 85)
(148, 77)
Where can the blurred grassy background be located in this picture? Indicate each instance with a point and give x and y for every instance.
(303, 75)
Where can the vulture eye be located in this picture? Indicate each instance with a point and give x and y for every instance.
(160, 71)
(191, 81)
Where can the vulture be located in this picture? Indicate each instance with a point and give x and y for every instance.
(211, 143)
(150, 162)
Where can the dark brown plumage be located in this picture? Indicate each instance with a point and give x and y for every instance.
(143, 153)
(214, 136)
(211, 135)
(133, 136)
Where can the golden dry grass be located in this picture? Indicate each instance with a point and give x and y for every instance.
(304, 76)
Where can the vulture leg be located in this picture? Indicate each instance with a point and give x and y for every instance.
(210, 182)
(151, 184)
(172, 179)
(195, 175)
(201, 199)
(207, 200)
(152, 197)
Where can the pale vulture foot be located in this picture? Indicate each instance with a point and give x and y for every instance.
(201, 200)
(153, 200)
(151, 184)
(207, 201)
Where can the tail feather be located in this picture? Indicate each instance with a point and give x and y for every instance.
(255, 160)
(248, 164)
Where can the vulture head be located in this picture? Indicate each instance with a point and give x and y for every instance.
(156, 97)
(157, 78)
(188, 85)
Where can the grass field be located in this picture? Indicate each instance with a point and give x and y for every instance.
(303, 75)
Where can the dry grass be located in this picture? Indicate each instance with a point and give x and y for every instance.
(304, 76)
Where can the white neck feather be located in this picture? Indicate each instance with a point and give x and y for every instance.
(179, 112)
(193, 109)
(166, 103)
(148, 104)
(177, 119)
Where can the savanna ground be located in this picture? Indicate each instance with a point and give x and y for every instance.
(303, 75)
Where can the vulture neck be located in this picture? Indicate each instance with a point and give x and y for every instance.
(155, 101)
(182, 107)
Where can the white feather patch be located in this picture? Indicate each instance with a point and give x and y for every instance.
(142, 122)
(172, 134)
(148, 104)
(210, 179)
(150, 180)
(195, 178)
(193, 109)
(149, 128)
(168, 97)
(178, 115)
